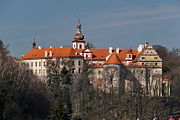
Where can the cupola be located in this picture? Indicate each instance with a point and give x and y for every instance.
(78, 39)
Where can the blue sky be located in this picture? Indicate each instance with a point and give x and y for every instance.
(116, 23)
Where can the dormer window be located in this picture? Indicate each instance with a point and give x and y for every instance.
(46, 53)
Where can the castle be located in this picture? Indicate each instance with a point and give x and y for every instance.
(112, 68)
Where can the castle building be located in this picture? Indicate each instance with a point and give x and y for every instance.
(112, 68)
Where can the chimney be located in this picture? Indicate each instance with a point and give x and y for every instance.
(39, 47)
(46, 53)
(110, 50)
(61, 46)
(117, 50)
(50, 53)
(146, 44)
(141, 46)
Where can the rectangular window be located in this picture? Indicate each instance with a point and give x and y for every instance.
(44, 71)
(73, 62)
(44, 63)
(27, 64)
(143, 57)
(31, 64)
(79, 70)
(73, 70)
(79, 63)
(156, 64)
(36, 64)
(39, 64)
(35, 71)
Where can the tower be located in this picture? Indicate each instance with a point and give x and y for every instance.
(78, 39)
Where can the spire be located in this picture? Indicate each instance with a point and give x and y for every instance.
(34, 44)
(78, 26)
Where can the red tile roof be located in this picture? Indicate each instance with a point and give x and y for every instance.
(113, 59)
(36, 53)
(167, 76)
(135, 66)
(98, 54)
(101, 54)
(96, 66)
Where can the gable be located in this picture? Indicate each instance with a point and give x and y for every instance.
(149, 54)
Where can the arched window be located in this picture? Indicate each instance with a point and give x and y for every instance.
(80, 46)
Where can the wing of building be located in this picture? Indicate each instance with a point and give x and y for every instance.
(131, 69)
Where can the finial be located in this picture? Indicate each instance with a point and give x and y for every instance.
(34, 39)
(34, 43)
(79, 22)
(79, 19)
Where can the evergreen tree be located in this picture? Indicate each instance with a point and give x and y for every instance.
(59, 80)
(58, 111)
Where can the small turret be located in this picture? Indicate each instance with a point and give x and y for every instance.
(34, 44)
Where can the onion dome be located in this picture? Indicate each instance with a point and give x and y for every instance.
(78, 35)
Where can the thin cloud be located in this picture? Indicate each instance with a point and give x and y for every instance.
(118, 24)
(124, 16)
(141, 12)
